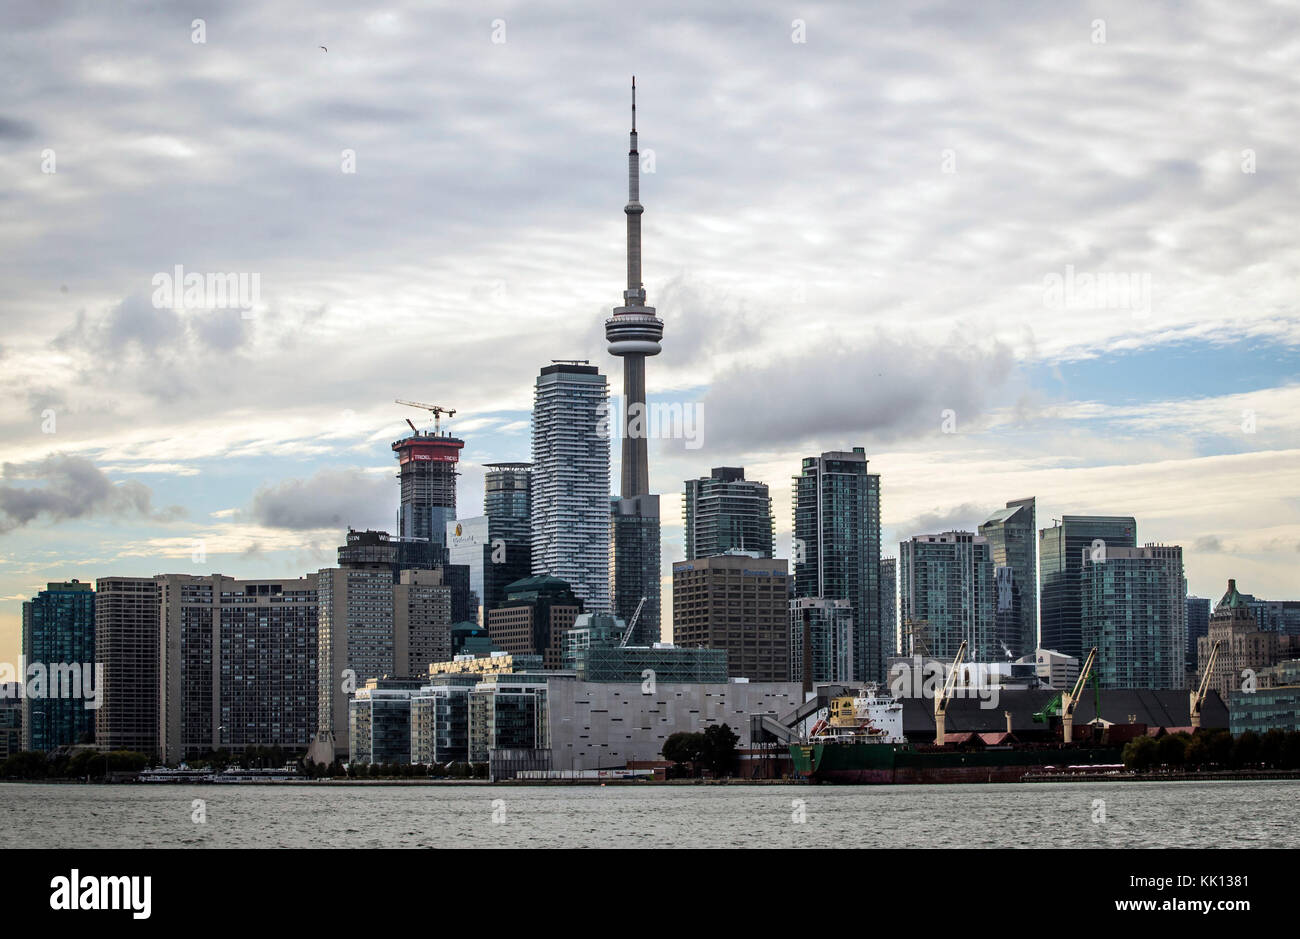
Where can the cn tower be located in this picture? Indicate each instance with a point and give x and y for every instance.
(633, 333)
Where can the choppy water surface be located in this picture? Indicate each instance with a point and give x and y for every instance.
(1175, 814)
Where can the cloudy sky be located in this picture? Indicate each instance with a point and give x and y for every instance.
(1011, 249)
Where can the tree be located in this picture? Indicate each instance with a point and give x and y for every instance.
(1245, 750)
(1290, 756)
(719, 751)
(1171, 750)
(1140, 754)
(684, 747)
(1270, 748)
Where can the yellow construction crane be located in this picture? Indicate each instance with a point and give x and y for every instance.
(436, 410)
(1068, 701)
(941, 702)
(1199, 693)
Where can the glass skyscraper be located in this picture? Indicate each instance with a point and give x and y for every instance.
(58, 629)
(837, 547)
(1012, 533)
(724, 511)
(947, 596)
(1061, 552)
(1133, 611)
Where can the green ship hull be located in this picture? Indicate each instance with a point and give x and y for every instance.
(885, 764)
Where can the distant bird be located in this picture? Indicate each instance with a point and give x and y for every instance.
(324, 48)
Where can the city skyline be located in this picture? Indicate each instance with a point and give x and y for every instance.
(255, 441)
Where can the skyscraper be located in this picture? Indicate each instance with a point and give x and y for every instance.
(238, 666)
(570, 484)
(946, 595)
(889, 605)
(633, 333)
(126, 642)
(1012, 535)
(724, 511)
(1061, 552)
(427, 461)
(1132, 610)
(739, 603)
(837, 547)
(1198, 625)
(58, 630)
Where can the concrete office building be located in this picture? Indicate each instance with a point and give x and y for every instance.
(126, 643)
(570, 480)
(947, 595)
(837, 541)
(825, 627)
(1061, 551)
(738, 603)
(58, 634)
(534, 617)
(421, 621)
(1133, 612)
(1012, 535)
(1054, 669)
(724, 512)
(237, 663)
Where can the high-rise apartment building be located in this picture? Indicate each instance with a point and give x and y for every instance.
(356, 640)
(126, 644)
(237, 663)
(837, 547)
(739, 603)
(1012, 535)
(570, 483)
(724, 512)
(947, 595)
(59, 636)
(889, 605)
(1133, 612)
(1061, 552)
(825, 627)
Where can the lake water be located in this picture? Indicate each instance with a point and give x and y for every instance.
(1174, 814)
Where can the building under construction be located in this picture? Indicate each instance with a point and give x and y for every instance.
(427, 471)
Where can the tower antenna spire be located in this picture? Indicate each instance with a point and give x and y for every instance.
(634, 104)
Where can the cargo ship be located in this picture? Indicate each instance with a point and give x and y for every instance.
(860, 740)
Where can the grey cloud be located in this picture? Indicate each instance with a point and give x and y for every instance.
(878, 389)
(72, 487)
(327, 499)
(1209, 544)
(964, 517)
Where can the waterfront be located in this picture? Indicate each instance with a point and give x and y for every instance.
(1137, 815)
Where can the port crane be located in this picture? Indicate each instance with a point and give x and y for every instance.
(436, 410)
(1068, 701)
(1201, 690)
(632, 625)
(941, 702)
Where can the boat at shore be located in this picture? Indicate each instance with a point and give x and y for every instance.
(860, 740)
